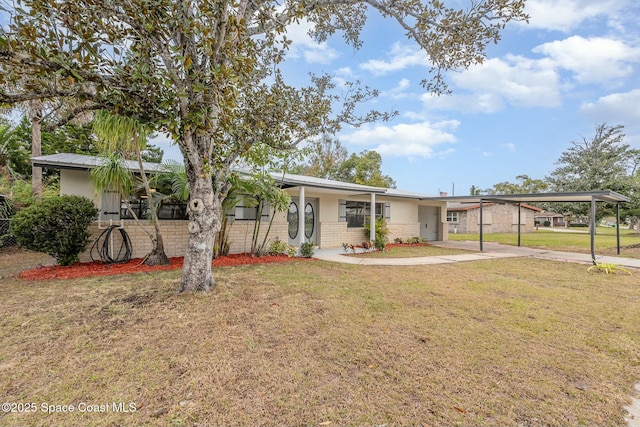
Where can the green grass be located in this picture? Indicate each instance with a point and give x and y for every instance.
(605, 240)
(498, 342)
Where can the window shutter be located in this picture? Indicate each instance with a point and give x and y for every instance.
(342, 210)
(387, 212)
(231, 214)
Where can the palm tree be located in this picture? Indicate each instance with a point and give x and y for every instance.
(127, 137)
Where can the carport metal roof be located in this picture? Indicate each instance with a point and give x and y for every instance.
(579, 196)
(592, 197)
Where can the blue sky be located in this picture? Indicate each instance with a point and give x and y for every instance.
(575, 65)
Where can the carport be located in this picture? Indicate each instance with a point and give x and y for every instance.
(592, 197)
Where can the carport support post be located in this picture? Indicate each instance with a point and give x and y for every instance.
(592, 226)
(519, 221)
(618, 227)
(372, 219)
(301, 209)
(481, 221)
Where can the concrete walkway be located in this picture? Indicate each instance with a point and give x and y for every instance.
(491, 251)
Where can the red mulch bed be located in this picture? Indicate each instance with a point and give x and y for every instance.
(96, 268)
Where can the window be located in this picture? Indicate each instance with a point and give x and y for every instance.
(250, 213)
(245, 213)
(357, 213)
(309, 221)
(169, 209)
(138, 206)
(172, 210)
(452, 216)
(292, 219)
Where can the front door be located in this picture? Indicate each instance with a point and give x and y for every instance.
(310, 220)
(429, 220)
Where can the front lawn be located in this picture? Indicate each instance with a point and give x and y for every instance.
(499, 342)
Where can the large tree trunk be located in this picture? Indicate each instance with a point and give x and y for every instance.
(205, 214)
(36, 148)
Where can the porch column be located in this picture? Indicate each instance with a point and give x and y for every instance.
(372, 219)
(301, 203)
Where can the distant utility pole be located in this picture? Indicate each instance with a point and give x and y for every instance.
(453, 188)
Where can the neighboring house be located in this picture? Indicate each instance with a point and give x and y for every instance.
(325, 212)
(550, 219)
(496, 217)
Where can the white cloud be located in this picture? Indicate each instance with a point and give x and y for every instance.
(410, 140)
(514, 80)
(304, 46)
(399, 92)
(615, 108)
(592, 60)
(566, 15)
(511, 147)
(346, 72)
(400, 57)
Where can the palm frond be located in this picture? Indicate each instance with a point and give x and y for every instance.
(118, 133)
(112, 174)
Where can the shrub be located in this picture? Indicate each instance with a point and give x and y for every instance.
(306, 249)
(417, 240)
(380, 244)
(398, 240)
(381, 233)
(58, 226)
(279, 247)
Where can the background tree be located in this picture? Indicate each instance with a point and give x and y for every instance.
(365, 169)
(475, 191)
(11, 151)
(524, 185)
(603, 162)
(326, 156)
(208, 74)
(70, 138)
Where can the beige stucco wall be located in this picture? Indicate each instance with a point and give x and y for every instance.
(498, 218)
(77, 182)
(175, 235)
(403, 223)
